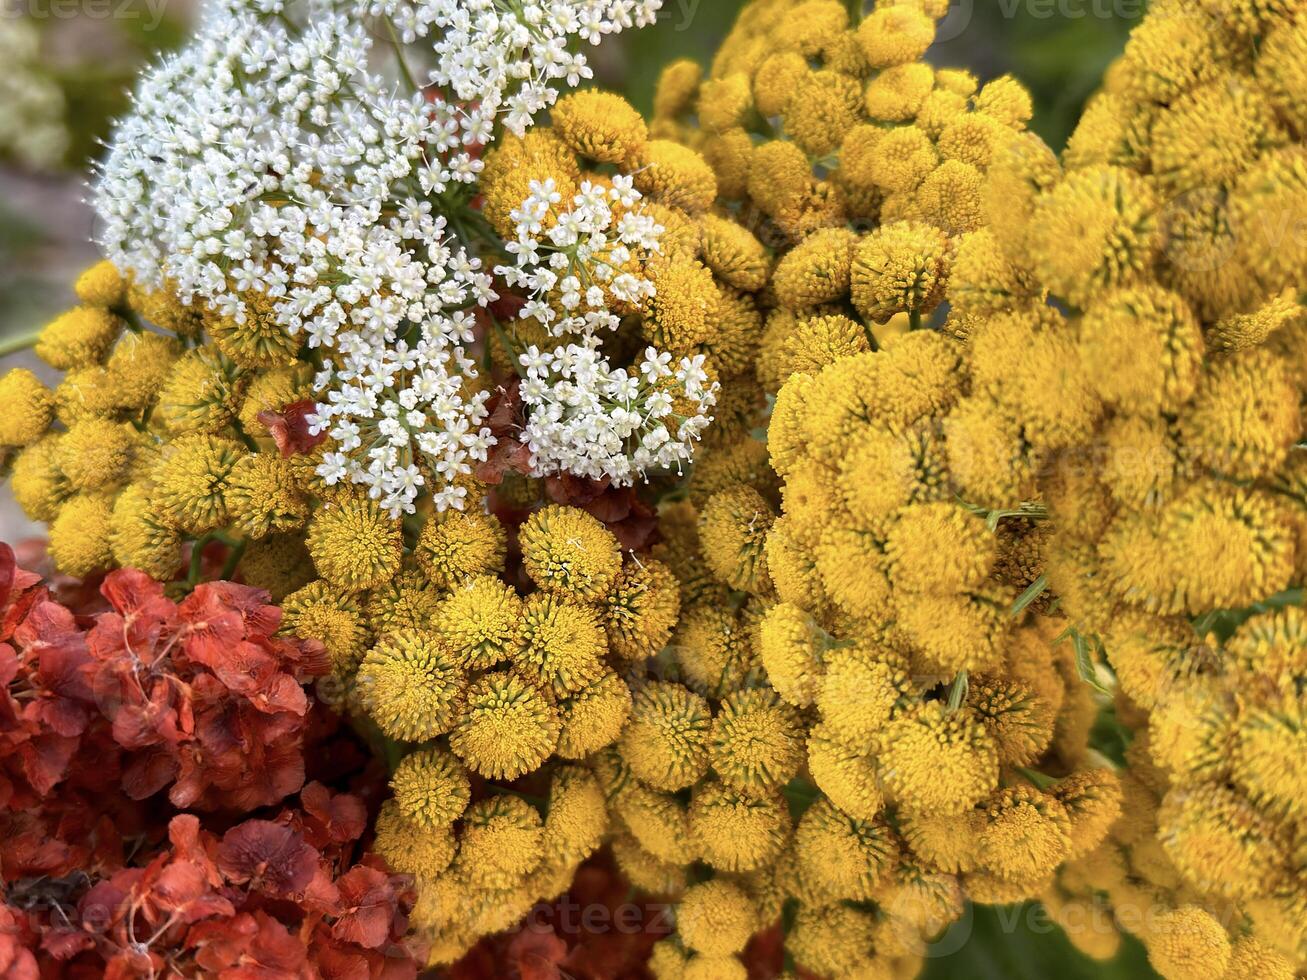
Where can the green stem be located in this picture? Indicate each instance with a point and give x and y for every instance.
(12, 345)
(855, 11)
(233, 559)
(197, 557)
(399, 57)
(958, 692)
(914, 320)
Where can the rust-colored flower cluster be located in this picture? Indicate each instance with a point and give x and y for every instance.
(114, 718)
(200, 697)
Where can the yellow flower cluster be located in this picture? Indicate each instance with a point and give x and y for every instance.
(488, 687)
(866, 717)
(1136, 329)
(859, 164)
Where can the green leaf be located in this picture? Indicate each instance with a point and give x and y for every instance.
(1036, 588)
(1085, 664)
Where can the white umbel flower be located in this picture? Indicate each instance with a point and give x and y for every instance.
(588, 257)
(587, 418)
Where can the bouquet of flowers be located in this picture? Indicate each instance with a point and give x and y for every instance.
(814, 509)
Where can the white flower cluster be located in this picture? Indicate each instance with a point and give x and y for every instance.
(319, 154)
(32, 125)
(267, 157)
(509, 56)
(401, 415)
(587, 418)
(587, 260)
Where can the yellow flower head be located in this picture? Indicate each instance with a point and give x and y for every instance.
(733, 528)
(271, 391)
(563, 644)
(666, 740)
(792, 648)
(508, 728)
(713, 650)
(679, 312)
(411, 686)
(676, 176)
(900, 268)
(78, 338)
(941, 840)
(254, 338)
(846, 773)
(569, 553)
(431, 789)
(677, 85)
(654, 877)
(1269, 760)
(1252, 959)
(957, 631)
(80, 535)
(658, 821)
(1024, 834)
(354, 543)
(500, 844)
(733, 253)
(939, 548)
(279, 564)
(1018, 719)
(938, 761)
(831, 941)
(1142, 349)
(202, 392)
(715, 918)
(263, 497)
(138, 368)
(481, 622)
(1221, 843)
(101, 285)
(840, 857)
(823, 106)
(578, 816)
(1187, 943)
(600, 126)
(191, 480)
(162, 308)
(895, 35)
(1244, 416)
(1096, 230)
(641, 610)
(410, 849)
(139, 539)
(332, 616)
(817, 270)
(818, 341)
(756, 741)
(458, 545)
(407, 601)
(862, 685)
(29, 408)
(735, 831)
(36, 480)
(593, 717)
